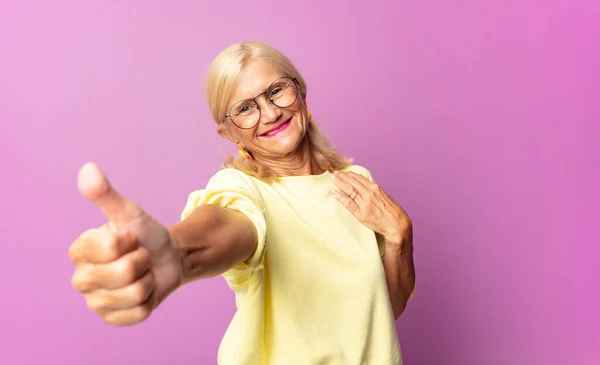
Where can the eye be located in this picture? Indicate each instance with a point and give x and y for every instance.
(244, 108)
(276, 91)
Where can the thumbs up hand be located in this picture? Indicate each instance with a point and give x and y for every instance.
(126, 267)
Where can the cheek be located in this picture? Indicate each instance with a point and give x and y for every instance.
(296, 134)
(301, 120)
(246, 136)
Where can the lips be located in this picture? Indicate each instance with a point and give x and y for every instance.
(279, 128)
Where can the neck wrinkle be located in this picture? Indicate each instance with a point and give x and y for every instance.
(299, 163)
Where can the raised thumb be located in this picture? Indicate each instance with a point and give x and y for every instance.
(95, 187)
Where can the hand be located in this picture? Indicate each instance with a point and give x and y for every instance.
(372, 206)
(127, 266)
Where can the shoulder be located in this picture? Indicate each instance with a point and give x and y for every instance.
(231, 178)
(228, 188)
(361, 170)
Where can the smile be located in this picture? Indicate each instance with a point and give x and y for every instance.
(275, 131)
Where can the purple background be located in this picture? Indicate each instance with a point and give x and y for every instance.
(481, 118)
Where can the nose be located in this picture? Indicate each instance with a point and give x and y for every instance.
(269, 113)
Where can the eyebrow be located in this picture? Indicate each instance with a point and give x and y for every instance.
(230, 103)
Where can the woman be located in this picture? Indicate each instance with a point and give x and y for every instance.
(318, 255)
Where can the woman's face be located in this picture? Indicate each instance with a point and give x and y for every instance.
(279, 130)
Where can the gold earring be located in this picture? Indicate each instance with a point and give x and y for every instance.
(245, 153)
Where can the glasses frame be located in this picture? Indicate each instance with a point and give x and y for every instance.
(294, 80)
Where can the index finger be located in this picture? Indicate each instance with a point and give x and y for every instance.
(99, 245)
(361, 179)
(352, 181)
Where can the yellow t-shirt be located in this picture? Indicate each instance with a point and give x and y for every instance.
(314, 291)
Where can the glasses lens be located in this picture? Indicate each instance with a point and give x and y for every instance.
(245, 113)
(283, 92)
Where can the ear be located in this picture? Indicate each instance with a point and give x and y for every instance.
(223, 131)
(306, 104)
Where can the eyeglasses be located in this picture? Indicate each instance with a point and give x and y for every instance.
(282, 93)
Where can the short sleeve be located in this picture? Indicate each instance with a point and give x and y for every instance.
(232, 189)
(361, 171)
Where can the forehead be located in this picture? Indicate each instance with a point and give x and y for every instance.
(254, 79)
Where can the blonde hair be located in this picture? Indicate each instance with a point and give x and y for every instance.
(221, 78)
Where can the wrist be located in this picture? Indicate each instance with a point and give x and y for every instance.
(393, 240)
(172, 273)
(393, 248)
(178, 256)
(397, 237)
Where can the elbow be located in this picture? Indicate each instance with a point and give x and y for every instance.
(212, 240)
(198, 243)
(399, 309)
(401, 306)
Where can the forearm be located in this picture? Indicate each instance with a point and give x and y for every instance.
(212, 240)
(399, 272)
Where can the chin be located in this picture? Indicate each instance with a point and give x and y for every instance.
(286, 144)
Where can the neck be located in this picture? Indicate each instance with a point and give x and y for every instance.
(298, 163)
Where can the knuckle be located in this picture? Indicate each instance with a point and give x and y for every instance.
(78, 245)
(144, 258)
(140, 292)
(143, 312)
(128, 317)
(113, 320)
(81, 280)
(126, 269)
(111, 246)
(73, 252)
(78, 282)
(96, 304)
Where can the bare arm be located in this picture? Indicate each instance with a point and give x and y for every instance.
(211, 240)
(399, 271)
(128, 266)
(378, 211)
